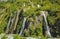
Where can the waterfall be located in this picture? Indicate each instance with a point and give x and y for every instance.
(15, 20)
(47, 27)
(12, 20)
(8, 25)
(23, 25)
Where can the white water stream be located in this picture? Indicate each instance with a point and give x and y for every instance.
(47, 27)
(23, 25)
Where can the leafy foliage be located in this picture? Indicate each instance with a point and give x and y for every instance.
(31, 9)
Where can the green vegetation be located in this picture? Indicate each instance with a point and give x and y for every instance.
(17, 10)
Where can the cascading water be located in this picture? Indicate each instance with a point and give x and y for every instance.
(23, 25)
(12, 21)
(8, 25)
(47, 27)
